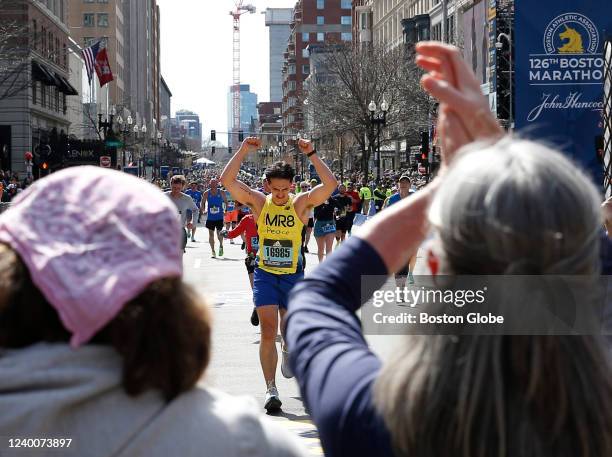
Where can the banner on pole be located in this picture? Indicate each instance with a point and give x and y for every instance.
(559, 74)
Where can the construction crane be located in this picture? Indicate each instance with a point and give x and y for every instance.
(236, 14)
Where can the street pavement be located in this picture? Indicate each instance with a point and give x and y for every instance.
(234, 366)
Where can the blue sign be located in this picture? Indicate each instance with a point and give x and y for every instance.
(131, 170)
(164, 170)
(559, 74)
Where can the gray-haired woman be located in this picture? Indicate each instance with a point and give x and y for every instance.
(507, 208)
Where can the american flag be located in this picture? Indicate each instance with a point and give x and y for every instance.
(89, 55)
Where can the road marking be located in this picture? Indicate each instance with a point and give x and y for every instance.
(306, 433)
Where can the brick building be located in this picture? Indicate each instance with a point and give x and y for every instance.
(314, 22)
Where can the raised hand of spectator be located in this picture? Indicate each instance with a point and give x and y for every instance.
(464, 115)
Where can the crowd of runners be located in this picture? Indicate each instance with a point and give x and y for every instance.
(274, 218)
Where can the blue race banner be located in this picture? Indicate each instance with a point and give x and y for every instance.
(559, 74)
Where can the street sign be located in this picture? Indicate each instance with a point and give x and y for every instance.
(105, 161)
(113, 143)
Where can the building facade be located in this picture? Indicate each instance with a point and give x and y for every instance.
(142, 54)
(37, 111)
(248, 112)
(190, 129)
(278, 21)
(165, 103)
(314, 22)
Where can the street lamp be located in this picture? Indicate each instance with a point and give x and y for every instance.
(499, 46)
(379, 120)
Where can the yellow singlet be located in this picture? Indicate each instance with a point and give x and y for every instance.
(280, 237)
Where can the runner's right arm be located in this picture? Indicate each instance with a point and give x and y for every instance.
(238, 230)
(238, 189)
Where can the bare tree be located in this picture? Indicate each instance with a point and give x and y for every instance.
(15, 46)
(348, 78)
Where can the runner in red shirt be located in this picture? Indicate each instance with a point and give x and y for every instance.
(350, 217)
(247, 228)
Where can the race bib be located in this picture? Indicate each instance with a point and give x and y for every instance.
(214, 210)
(328, 228)
(230, 206)
(278, 253)
(255, 242)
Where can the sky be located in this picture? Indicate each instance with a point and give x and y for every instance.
(196, 55)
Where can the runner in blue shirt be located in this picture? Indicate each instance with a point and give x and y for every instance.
(215, 202)
(405, 190)
(196, 195)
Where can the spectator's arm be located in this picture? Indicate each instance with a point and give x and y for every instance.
(331, 360)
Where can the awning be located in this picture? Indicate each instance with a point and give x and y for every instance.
(66, 87)
(48, 77)
(40, 73)
(204, 161)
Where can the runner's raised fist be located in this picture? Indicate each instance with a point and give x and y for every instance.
(251, 144)
(305, 146)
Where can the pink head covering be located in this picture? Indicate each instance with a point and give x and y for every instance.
(93, 239)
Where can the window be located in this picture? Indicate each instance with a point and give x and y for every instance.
(321, 36)
(34, 89)
(89, 1)
(346, 4)
(43, 95)
(88, 41)
(35, 33)
(102, 19)
(305, 36)
(346, 20)
(305, 53)
(347, 36)
(292, 85)
(102, 1)
(305, 69)
(88, 20)
(292, 69)
(320, 4)
(320, 20)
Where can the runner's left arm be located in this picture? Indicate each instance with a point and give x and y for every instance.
(195, 211)
(319, 194)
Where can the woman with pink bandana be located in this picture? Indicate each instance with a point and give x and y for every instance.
(102, 344)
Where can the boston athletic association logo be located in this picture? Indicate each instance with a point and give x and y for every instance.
(571, 33)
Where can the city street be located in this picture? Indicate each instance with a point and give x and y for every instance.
(235, 358)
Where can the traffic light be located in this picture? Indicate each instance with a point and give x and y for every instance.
(213, 135)
(44, 166)
(229, 150)
(212, 151)
(425, 142)
(240, 136)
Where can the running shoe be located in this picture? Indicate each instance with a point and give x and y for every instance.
(272, 403)
(214, 256)
(221, 252)
(285, 368)
(193, 239)
(254, 318)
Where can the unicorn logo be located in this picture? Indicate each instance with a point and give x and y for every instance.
(572, 41)
(571, 33)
